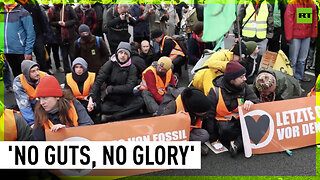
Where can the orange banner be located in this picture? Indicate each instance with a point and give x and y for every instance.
(174, 127)
(280, 125)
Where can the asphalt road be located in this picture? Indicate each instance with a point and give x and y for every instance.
(301, 163)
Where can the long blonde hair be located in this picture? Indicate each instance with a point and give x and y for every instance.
(41, 116)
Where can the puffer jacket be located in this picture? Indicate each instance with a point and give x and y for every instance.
(120, 81)
(19, 34)
(293, 30)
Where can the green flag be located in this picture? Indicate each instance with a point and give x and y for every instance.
(218, 18)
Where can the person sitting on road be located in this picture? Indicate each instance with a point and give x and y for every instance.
(273, 85)
(226, 94)
(56, 109)
(155, 81)
(80, 81)
(120, 77)
(24, 86)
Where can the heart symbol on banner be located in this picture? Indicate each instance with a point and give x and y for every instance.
(257, 129)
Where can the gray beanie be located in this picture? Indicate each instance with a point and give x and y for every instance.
(82, 62)
(26, 65)
(84, 28)
(124, 46)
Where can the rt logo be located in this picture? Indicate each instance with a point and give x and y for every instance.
(304, 15)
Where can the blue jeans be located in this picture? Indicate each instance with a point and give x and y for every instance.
(298, 52)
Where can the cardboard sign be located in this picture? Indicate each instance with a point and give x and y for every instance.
(174, 127)
(283, 64)
(292, 124)
(268, 60)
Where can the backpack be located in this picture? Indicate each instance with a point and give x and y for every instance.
(181, 40)
(97, 40)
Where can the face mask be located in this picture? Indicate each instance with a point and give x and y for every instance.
(86, 38)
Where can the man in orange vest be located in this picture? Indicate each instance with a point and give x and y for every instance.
(155, 81)
(226, 94)
(24, 86)
(170, 48)
(79, 81)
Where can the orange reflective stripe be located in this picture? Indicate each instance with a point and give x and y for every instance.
(29, 89)
(175, 52)
(159, 83)
(10, 127)
(72, 113)
(86, 87)
(179, 104)
(222, 112)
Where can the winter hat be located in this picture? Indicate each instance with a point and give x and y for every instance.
(165, 62)
(80, 60)
(251, 46)
(156, 33)
(195, 101)
(264, 81)
(84, 28)
(234, 70)
(236, 50)
(124, 46)
(48, 87)
(26, 65)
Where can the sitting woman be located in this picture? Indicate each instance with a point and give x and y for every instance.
(56, 109)
(79, 81)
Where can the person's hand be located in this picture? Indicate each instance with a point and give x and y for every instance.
(56, 127)
(28, 57)
(123, 16)
(106, 91)
(61, 23)
(236, 40)
(90, 106)
(247, 105)
(151, 11)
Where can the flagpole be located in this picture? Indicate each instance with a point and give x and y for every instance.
(239, 32)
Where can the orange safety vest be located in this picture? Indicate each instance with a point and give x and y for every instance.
(29, 89)
(313, 92)
(86, 87)
(180, 107)
(176, 51)
(222, 112)
(159, 83)
(72, 113)
(10, 127)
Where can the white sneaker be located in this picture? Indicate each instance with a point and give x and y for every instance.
(61, 69)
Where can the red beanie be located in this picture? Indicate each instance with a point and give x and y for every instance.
(48, 87)
(234, 70)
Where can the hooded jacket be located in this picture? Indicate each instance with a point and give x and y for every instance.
(24, 103)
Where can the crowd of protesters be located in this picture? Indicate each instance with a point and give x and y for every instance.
(108, 78)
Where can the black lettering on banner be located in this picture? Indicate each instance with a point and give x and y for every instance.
(20, 155)
(148, 162)
(52, 156)
(135, 156)
(184, 153)
(62, 155)
(158, 155)
(82, 149)
(123, 155)
(172, 153)
(35, 155)
(73, 154)
(108, 154)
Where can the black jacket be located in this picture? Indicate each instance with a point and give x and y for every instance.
(230, 95)
(252, 67)
(120, 81)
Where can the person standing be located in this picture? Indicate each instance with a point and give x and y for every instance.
(299, 35)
